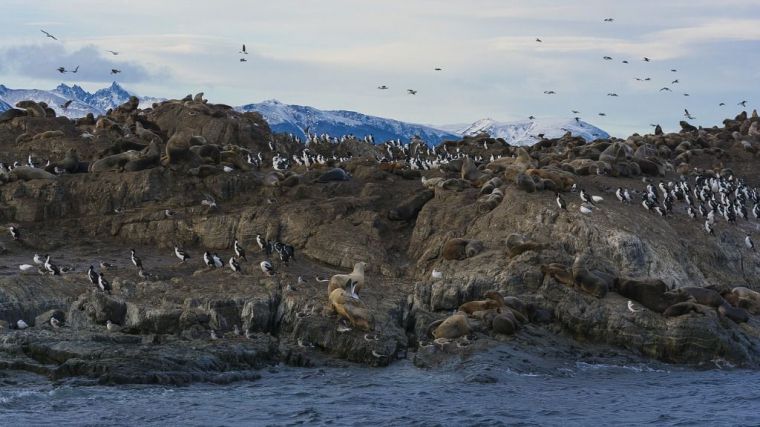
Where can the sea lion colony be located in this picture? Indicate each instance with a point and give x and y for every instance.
(204, 211)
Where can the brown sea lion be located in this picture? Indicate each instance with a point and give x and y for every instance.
(339, 281)
(704, 296)
(454, 326)
(559, 272)
(746, 298)
(738, 315)
(505, 323)
(351, 308)
(682, 308)
(649, 293)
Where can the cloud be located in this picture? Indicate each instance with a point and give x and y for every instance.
(41, 61)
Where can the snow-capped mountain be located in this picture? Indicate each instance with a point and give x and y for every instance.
(83, 102)
(4, 106)
(298, 119)
(525, 132)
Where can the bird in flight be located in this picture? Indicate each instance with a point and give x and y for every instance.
(612, 94)
(411, 92)
(243, 60)
(602, 114)
(539, 40)
(607, 58)
(673, 70)
(674, 81)
(49, 35)
(625, 61)
(532, 118)
(113, 52)
(666, 89)
(61, 70)
(575, 112)
(685, 94)
(65, 105)
(550, 92)
(721, 104)
(646, 59)
(743, 103)
(609, 19)
(76, 69)
(115, 71)
(383, 87)
(243, 51)
(687, 115)
(438, 69)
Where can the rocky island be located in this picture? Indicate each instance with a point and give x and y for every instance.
(125, 230)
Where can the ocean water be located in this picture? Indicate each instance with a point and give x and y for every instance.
(481, 394)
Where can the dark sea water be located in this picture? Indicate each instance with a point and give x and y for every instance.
(480, 394)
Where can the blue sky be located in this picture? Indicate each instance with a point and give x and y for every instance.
(332, 54)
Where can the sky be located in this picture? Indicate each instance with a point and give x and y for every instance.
(333, 54)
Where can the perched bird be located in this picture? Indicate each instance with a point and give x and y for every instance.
(708, 227)
(239, 251)
(169, 213)
(52, 268)
(208, 259)
(105, 265)
(38, 259)
(218, 263)
(267, 267)
(436, 274)
(103, 284)
(92, 275)
(209, 201)
(213, 335)
(631, 307)
(234, 265)
(55, 322)
(748, 243)
(182, 255)
(560, 202)
(135, 259)
(111, 327)
(586, 209)
(21, 324)
(49, 35)
(25, 267)
(261, 242)
(15, 233)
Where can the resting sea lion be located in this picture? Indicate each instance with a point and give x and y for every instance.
(682, 308)
(452, 327)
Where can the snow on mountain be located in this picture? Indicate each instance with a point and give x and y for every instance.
(4, 106)
(525, 132)
(298, 119)
(83, 102)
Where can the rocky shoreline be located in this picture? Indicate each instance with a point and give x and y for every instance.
(477, 224)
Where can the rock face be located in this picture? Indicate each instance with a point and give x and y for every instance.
(483, 237)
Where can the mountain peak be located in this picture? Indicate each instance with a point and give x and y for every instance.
(525, 132)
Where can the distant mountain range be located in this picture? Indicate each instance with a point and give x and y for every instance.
(299, 120)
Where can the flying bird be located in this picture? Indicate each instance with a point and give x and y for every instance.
(115, 71)
(539, 40)
(438, 69)
(625, 61)
(673, 70)
(612, 94)
(607, 58)
(667, 89)
(722, 104)
(243, 60)
(743, 103)
(602, 114)
(66, 104)
(245, 52)
(575, 111)
(685, 94)
(674, 81)
(550, 92)
(411, 92)
(49, 35)
(113, 52)
(61, 70)
(687, 115)
(646, 59)
(532, 118)
(609, 19)
(383, 87)
(76, 69)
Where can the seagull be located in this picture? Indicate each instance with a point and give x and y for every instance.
(213, 335)
(209, 201)
(667, 89)
(748, 242)
(25, 267)
(38, 259)
(631, 308)
(743, 103)
(436, 274)
(55, 322)
(21, 324)
(561, 202)
(110, 326)
(218, 263)
(169, 213)
(113, 52)
(49, 35)
(115, 71)
(687, 115)
(411, 91)
(267, 268)
(586, 209)
(383, 87)
(76, 69)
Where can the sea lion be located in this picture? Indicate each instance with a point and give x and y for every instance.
(525, 183)
(351, 308)
(150, 157)
(482, 305)
(559, 272)
(48, 134)
(27, 173)
(491, 185)
(335, 174)
(746, 298)
(682, 308)
(470, 171)
(178, 150)
(70, 162)
(452, 327)
(649, 293)
(505, 323)
(11, 114)
(704, 296)
(454, 249)
(738, 315)
(409, 208)
(589, 282)
(32, 108)
(339, 281)
(473, 247)
(115, 162)
(516, 244)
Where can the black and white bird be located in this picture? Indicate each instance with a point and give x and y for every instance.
(267, 267)
(51, 268)
(234, 265)
(135, 259)
(38, 259)
(48, 35)
(587, 198)
(92, 275)
(15, 233)
(239, 250)
(748, 243)
(182, 255)
(261, 242)
(103, 284)
(561, 202)
(708, 227)
(55, 323)
(207, 259)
